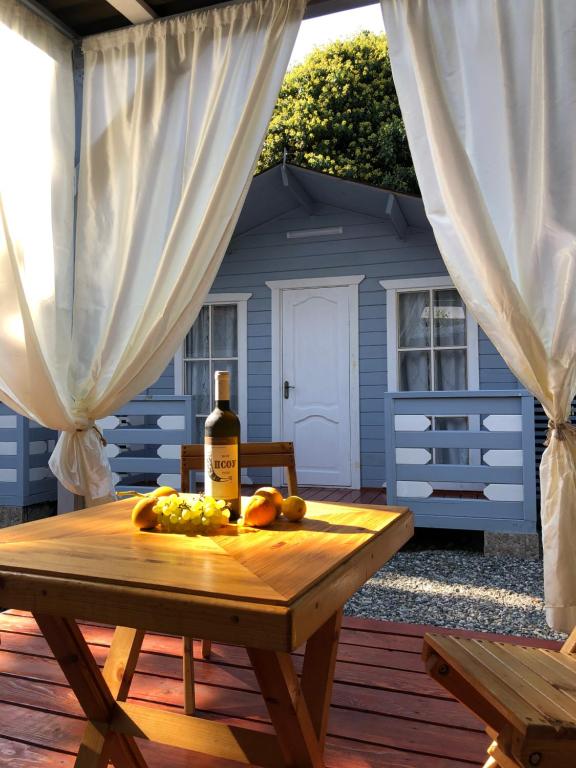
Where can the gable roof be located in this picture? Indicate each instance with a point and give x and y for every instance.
(286, 186)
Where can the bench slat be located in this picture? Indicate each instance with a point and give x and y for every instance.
(459, 654)
(518, 667)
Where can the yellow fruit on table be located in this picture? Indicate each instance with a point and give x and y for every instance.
(163, 490)
(260, 511)
(274, 495)
(143, 515)
(294, 508)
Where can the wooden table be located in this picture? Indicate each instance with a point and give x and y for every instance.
(268, 590)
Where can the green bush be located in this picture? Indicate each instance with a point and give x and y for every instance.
(338, 112)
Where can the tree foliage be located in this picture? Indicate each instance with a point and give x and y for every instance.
(338, 112)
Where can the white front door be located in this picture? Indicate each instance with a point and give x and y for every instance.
(315, 381)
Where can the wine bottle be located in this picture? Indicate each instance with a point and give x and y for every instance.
(221, 446)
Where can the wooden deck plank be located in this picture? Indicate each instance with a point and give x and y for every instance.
(316, 494)
(386, 711)
(229, 676)
(336, 494)
(26, 679)
(34, 644)
(29, 756)
(368, 495)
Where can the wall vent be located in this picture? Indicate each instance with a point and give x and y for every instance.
(321, 232)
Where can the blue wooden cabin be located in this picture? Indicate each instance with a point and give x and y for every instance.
(335, 314)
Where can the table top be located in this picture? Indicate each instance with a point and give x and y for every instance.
(94, 564)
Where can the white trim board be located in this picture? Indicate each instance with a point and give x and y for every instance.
(407, 283)
(277, 287)
(315, 282)
(392, 287)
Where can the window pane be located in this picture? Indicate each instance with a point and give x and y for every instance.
(232, 366)
(197, 339)
(197, 384)
(199, 436)
(414, 371)
(414, 319)
(449, 319)
(450, 369)
(224, 331)
(451, 455)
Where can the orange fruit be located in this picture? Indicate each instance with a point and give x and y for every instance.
(260, 511)
(274, 495)
(294, 508)
(143, 515)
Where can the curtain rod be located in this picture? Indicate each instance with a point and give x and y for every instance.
(45, 14)
(190, 11)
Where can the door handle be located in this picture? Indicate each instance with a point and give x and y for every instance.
(287, 388)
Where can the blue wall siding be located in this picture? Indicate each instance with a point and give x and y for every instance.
(164, 385)
(369, 247)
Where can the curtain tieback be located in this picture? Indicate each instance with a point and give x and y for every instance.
(560, 429)
(99, 433)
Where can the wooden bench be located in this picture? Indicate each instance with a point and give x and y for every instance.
(526, 696)
(250, 455)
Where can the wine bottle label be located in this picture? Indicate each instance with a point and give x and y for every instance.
(221, 476)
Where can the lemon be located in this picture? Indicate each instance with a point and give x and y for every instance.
(294, 508)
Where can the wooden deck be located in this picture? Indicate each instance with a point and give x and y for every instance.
(386, 711)
(375, 496)
(348, 495)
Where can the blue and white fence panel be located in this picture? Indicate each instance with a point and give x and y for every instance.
(144, 439)
(463, 460)
(25, 448)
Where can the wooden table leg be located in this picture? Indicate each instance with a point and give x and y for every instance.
(93, 692)
(499, 758)
(318, 673)
(287, 708)
(121, 661)
(188, 675)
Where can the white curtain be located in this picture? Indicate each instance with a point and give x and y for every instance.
(36, 215)
(174, 114)
(488, 95)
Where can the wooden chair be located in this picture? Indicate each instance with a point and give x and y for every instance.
(526, 696)
(251, 455)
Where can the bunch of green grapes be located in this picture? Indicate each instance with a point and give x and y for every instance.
(176, 515)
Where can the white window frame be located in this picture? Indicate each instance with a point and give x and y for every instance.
(241, 302)
(392, 288)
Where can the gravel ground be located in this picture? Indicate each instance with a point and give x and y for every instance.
(457, 588)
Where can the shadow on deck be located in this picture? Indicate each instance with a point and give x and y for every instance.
(386, 711)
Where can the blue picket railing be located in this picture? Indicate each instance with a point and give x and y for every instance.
(25, 448)
(144, 438)
(463, 459)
